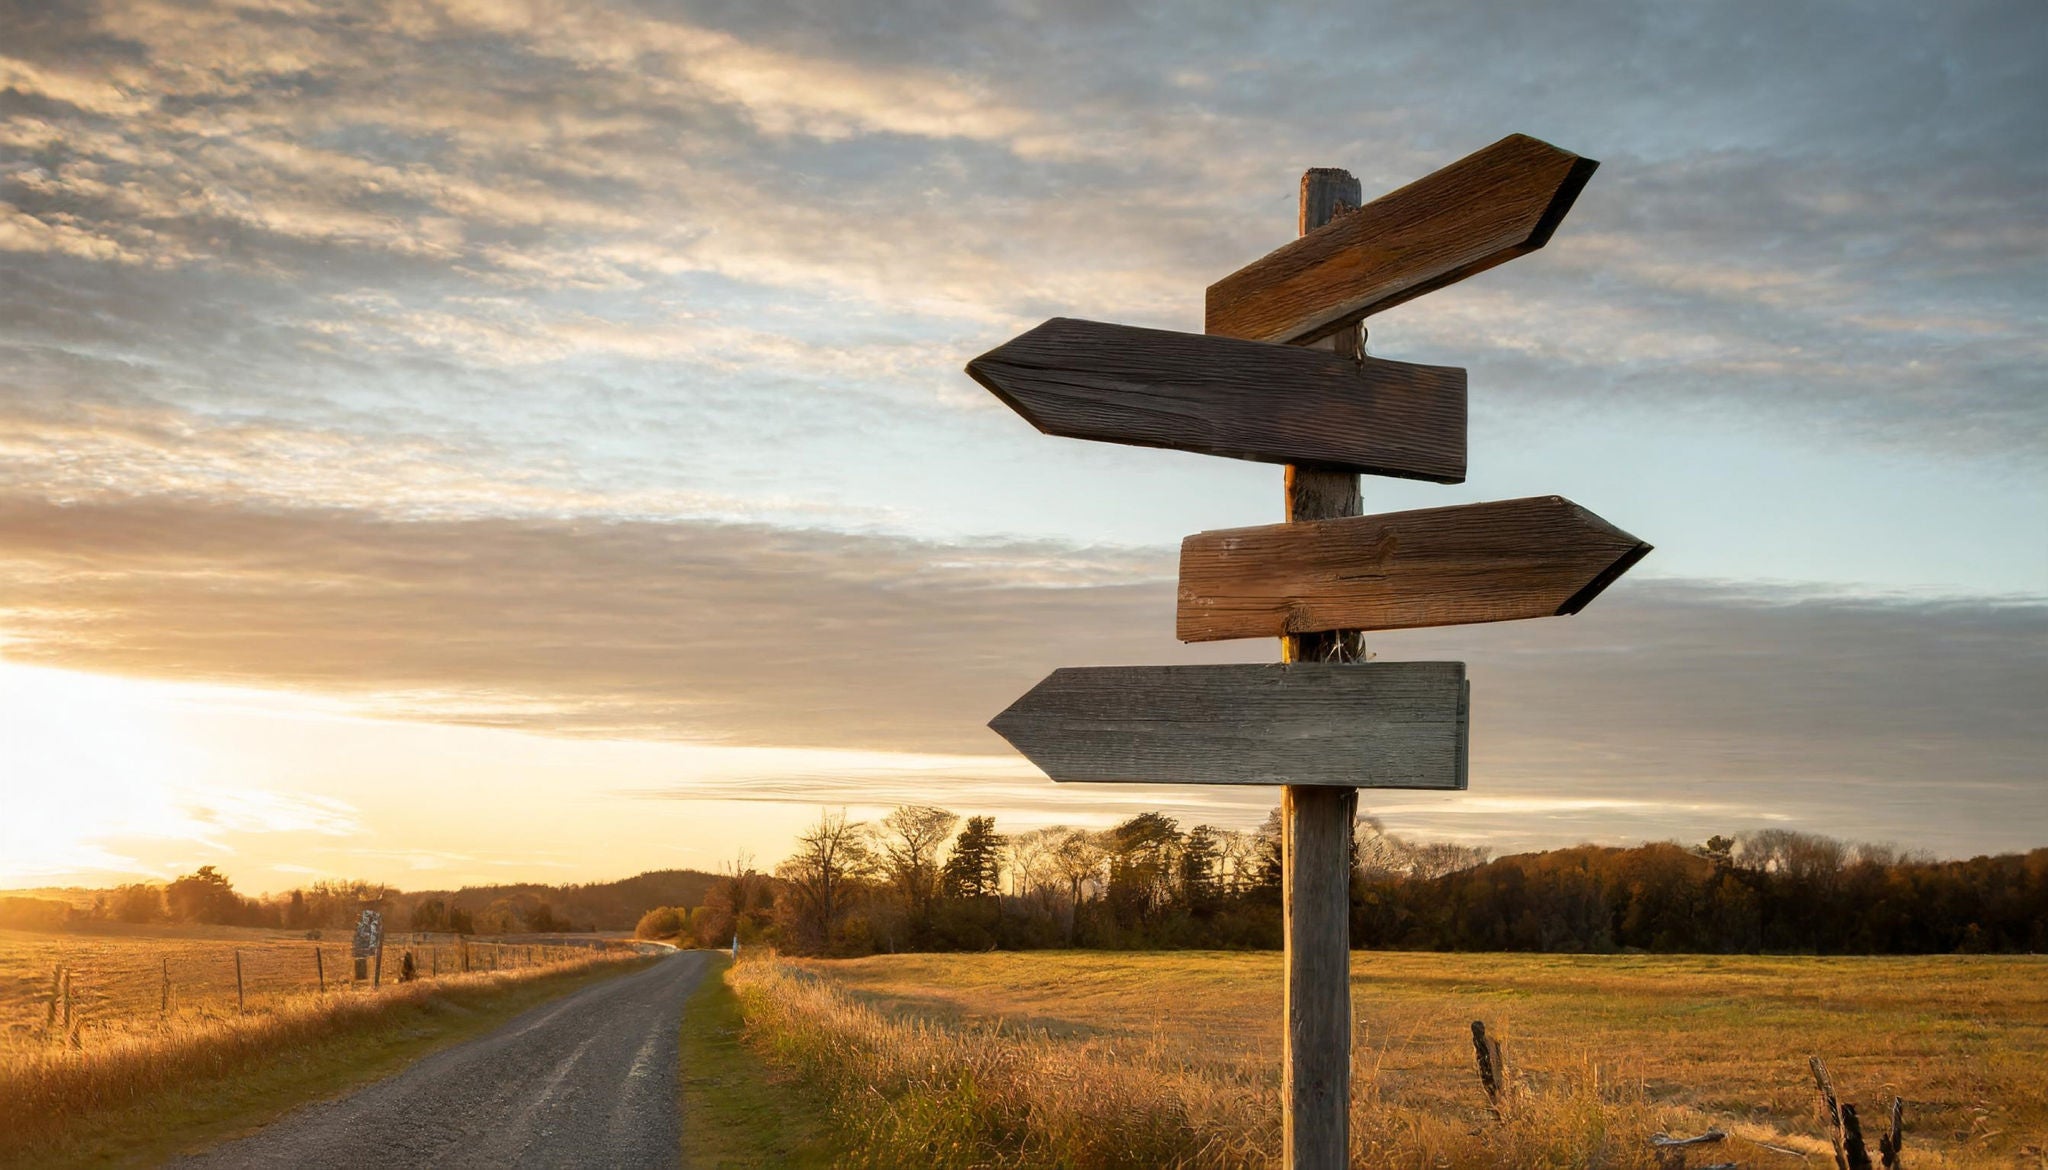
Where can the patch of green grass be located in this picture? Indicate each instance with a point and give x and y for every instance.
(736, 1113)
(202, 1112)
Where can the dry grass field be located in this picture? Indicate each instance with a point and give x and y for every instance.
(125, 1040)
(141, 978)
(1092, 1059)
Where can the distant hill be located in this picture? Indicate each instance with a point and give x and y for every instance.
(615, 905)
(595, 905)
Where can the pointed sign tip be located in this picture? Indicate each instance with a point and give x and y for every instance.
(1607, 576)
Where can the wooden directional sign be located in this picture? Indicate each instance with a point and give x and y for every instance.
(1434, 567)
(1222, 396)
(1482, 210)
(1374, 725)
(1250, 389)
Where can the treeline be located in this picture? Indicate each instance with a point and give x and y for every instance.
(923, 878)
(208, 897)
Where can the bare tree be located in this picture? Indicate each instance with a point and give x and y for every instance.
(1378, 854)
(909, 842)
(1443, 858)
(1236, 860)
(1030, 863)
(1803, 856)
(1078, 858)
(832, 858)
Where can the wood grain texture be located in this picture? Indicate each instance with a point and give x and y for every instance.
(1222, 396)
(1326, 193)
(1315, 823)
(1491, 562)
(1377, 725)
(1483, 210)
(1316, 907)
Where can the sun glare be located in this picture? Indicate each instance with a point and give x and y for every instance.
(85, 762)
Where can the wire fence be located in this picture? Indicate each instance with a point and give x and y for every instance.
(73, 988)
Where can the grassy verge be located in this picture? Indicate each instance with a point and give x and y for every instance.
(1084, 1060)
(736, 1114)
(141, 1101)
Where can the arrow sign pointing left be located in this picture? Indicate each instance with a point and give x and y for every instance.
(1372, 725)
(1222, 396)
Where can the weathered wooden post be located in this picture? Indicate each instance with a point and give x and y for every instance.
(1280, 376)
(163, 1006)
(320, 969)
(1315, 821)
(241, 1005)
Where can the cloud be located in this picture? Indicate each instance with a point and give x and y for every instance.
(1849, 239)
(1667, 702)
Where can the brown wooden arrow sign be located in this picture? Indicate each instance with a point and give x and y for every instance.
(1222, 396)
(1483, 210)
(1373, 725)
(1433, 567)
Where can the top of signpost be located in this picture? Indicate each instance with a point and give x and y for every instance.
(1483, 210)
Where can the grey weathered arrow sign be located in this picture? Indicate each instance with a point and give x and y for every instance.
(1480, 211)
(1433, 567)
(1370, 725)
(1222, 396)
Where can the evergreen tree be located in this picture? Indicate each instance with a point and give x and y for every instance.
(975, 870)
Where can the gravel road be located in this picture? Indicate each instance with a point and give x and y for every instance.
(589, 1080)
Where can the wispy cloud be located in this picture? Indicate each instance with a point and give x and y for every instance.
(1681, 696)
(506, 363)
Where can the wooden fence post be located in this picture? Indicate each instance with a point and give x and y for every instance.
(377, 973)
(1493, 1071)
(241, 1005)
(163, 1007)
(320, 969)
(1316, 826)
(56, 994)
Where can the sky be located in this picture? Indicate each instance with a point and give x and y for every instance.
(447, 442)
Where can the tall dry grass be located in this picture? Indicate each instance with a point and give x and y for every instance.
(911, 1091)
(50, 1079)
(915, 1092)
(1171, 1060)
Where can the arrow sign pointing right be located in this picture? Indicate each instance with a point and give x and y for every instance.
(1434, 567)
(1372, 725)
(1222, 396)
(1485, 209)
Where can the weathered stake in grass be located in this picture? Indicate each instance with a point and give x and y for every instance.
(320, 969)
(1845, 1129)
(1493, 1069)
(241, 1004)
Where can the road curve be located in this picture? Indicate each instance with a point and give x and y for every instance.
(587, 1080)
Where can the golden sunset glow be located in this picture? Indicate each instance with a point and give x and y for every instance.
(434, 463)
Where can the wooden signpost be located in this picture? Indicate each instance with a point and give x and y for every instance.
(1324, 722)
